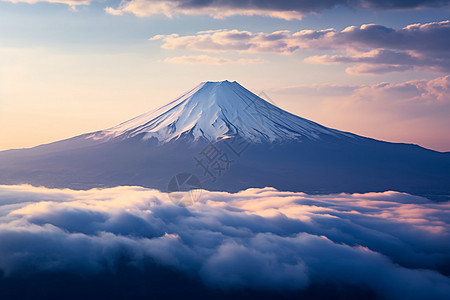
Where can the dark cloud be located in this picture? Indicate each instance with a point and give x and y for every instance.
(312, 5)
(391, 245)
(385, 61)
(286, 9)
(417, 46)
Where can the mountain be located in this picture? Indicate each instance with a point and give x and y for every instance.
(230, 139)
(216, 110)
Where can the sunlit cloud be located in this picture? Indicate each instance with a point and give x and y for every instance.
(144, 8)
(372, 49)
(262, 239)
(232, 40)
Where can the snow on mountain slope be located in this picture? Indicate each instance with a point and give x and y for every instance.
(217, 110)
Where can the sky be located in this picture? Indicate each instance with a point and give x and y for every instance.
(374, 68)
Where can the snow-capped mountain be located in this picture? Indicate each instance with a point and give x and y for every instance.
(215, 111)
(230, 139)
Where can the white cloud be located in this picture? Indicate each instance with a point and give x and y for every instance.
(394, 244)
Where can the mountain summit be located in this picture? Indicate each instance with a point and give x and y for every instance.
(215, 111)
(230, 139)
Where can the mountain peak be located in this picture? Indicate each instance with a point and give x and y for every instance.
(219, 82)
(215, 110)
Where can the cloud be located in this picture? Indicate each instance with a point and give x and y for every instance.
(283, 42)
(373, 49)
(382, 61)
(209, 60)
(72, 3)
(379, 49)
(284, 9)
(393, 244)
(432, 92)
(396, 111)
(219, 9)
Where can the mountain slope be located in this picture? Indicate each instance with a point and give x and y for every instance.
(231, 140)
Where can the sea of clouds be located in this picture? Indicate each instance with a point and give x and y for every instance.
(393, 244)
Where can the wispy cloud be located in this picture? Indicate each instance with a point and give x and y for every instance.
(371, 48)
(209, 60)
(433, 91)
(284, 9)
(403, 112)
(72, 3)
(394, 244)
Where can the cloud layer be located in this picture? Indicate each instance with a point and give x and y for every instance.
(284, 9)
(393, 244)
(370, 48)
